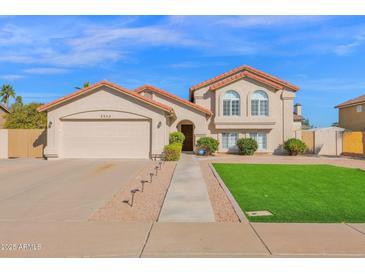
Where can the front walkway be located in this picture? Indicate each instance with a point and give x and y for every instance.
(187, 199)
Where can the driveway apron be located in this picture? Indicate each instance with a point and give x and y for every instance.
(187, 199)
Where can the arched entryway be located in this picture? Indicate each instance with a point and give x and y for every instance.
(187, 128)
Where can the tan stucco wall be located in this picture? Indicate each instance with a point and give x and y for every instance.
(278, 124)
(350, 119)
(185, 115)
(110, 102)
(2, 119)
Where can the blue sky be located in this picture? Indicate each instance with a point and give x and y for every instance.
(45, 57)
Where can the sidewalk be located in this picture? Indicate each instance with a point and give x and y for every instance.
(187, 199)
(146, 239)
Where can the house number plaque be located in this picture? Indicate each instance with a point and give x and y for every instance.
(105, 116)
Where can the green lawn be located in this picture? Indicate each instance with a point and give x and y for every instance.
(297, 193)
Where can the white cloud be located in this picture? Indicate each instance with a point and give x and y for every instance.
(11, 77)
(45, 70)
(348, 48)
(68, 42)
(270, 21)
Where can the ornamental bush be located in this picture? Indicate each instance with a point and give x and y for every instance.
(247, 146)
(176, 137)
(209, 144)
(172, 152)
(294, 146)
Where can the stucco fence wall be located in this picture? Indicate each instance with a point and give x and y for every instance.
(22, 143)
(324, 141)
(354, 143)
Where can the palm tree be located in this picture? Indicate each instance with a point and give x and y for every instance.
(86, 84)
(7, 91)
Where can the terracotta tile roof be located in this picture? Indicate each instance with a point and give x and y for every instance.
(355, 101)
(174, 97)
(240, 69)
(4, 108)
(243, 74)
(111, 85)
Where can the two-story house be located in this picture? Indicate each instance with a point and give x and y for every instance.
(351, 114)
(108, 121)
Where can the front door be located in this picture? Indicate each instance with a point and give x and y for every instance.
(188, 144)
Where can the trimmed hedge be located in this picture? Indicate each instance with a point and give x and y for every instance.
(294, 146)
(172, 152)
(247, 146)
(176, 137)
(209, 144)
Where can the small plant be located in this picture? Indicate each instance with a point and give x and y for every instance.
(294, 146)
(172, 152)
(176, 137)
(247, 146)
(208, 144)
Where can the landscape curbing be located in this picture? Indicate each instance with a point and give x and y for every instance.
(237, 209)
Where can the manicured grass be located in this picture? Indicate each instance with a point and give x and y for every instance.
(297, 193)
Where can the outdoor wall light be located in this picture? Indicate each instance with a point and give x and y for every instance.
(49, 124)
(159, 124)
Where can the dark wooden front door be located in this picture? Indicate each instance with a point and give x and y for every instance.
(188, 144)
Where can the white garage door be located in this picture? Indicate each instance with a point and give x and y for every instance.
(106, 139)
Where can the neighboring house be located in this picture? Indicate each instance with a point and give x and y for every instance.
(108, 121)
(298, 121)
(351, 114)
(3, 110)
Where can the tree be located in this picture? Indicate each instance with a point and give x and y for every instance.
(86, 84)
(18, 103)
(6, 93)
(26, 116)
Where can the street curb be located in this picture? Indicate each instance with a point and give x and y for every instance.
(237, 209)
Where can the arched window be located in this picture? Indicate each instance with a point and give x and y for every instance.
(259, 103)
(231, 104)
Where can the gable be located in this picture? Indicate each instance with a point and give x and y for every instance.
(239, 73)
(171, 98)
(100, 87)
(104, 99)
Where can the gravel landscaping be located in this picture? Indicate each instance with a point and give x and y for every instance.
(223, 210)
(147, 204)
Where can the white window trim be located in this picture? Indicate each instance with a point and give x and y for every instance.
(231, 100)
(259, 105)
(230, 134)
(266, 138)
(359, 108)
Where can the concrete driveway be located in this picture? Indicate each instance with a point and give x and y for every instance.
(60, 190)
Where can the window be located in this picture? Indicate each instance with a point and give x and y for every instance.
(359, 108)
(229, 139)
(231, 104)
(259, 103)
(261, 139)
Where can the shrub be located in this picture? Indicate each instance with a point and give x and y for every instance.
(176, 137)
(247, 146)
(172, 152)
(209, 144)
(294, 146)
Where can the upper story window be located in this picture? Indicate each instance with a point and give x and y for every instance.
(231, 104)
(359, 108)
(259, 103)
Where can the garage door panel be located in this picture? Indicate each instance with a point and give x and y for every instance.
(106, 139)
